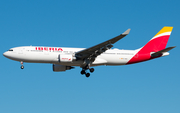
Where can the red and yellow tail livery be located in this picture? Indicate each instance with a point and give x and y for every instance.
(157, 43)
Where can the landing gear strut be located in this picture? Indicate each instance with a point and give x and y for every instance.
(22, 66)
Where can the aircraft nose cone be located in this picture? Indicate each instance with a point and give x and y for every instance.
(8, 55)
(5, 54)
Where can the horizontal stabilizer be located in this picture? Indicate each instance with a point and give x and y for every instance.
(162, 51)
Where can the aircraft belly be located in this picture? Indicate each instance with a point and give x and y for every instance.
(73, 63)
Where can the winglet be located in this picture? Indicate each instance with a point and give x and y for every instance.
(126, 32)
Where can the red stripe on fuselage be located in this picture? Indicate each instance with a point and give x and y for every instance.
(153, 45)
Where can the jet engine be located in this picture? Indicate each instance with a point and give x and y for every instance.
(66, 58)
(57, 67)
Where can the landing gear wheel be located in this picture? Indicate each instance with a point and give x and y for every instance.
(22, 67)
(91, 70)
(83, 72)
(87, 74)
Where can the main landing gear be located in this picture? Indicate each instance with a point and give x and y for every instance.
(22, 66)
(87, 74)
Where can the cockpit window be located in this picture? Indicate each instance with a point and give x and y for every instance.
(10, 50)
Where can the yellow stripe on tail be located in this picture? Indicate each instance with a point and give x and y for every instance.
(164, 29)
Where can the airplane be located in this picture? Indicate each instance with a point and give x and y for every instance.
(63, 58)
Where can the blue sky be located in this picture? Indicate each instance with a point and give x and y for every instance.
(147, 87)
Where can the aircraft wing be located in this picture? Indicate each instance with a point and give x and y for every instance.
(96, 50)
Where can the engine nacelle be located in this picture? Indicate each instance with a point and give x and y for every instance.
(66, 58)
(58, 68)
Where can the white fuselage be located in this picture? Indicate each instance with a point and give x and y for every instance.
(36, 54)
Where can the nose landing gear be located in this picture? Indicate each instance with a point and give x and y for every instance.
(22, 66)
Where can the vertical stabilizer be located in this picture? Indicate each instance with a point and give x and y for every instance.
(157, 43)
